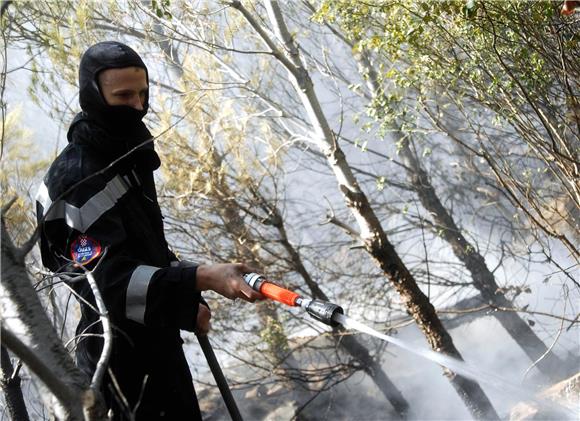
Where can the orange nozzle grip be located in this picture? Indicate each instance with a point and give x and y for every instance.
(279, 294)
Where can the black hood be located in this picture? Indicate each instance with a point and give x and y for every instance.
(119, 120)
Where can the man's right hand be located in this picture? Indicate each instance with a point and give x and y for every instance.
(227, 279)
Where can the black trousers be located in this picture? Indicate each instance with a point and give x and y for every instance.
(158, 387)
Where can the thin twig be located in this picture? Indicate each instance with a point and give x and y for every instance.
(8, 205)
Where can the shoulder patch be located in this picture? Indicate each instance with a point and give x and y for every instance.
(85, 249)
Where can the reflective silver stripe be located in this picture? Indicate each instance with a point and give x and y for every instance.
(43, 197)
(136, 301)
(82, 218)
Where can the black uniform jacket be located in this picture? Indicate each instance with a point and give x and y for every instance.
(105, 215)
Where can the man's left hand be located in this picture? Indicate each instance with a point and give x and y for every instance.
(203, 324)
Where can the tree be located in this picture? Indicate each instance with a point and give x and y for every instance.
(372, 235)
(406, 74)
(446, 227)
(221, 166)
(29, 334)
(480, 56)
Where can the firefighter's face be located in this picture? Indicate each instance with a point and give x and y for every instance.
(124, 86)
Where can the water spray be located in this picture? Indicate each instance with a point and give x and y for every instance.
(333, 315)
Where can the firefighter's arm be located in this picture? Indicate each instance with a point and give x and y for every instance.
(87, 222)
(224, 278)
(175, 262)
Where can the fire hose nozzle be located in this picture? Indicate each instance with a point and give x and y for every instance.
(270, 290)
(323, 311)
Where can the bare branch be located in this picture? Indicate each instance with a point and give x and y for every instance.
(8, 205)
(57, 386)
(107, 334)
(10, 384)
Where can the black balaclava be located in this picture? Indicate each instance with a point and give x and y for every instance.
(119, 120)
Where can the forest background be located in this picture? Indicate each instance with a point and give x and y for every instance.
(414, 162)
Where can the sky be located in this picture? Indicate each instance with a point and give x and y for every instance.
(47, 134)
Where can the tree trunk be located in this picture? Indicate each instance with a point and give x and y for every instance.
(483, 279)
(426, 318)
(372, 235)
(271, 328)
(358, 351)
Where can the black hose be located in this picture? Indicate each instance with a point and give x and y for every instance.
(219, 378)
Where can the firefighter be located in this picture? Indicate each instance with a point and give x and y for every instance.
(97, 208)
